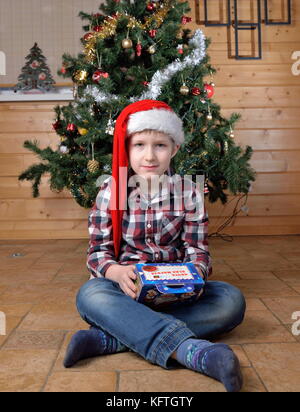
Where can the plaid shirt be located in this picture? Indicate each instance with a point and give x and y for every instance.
(165, 228)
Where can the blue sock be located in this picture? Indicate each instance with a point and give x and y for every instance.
(215, 360)
(90, 343)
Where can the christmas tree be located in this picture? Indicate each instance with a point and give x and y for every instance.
(137, 50)
(35, 74)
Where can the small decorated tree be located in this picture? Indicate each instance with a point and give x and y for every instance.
(35, 74)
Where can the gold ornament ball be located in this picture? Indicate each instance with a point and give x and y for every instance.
(80, 76)
(152, 49)
(82, 131)
(184, 90)
(209, 117)
(127, 44)
(93, 166)
(231, 135)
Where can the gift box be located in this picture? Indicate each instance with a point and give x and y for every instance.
(160, 285)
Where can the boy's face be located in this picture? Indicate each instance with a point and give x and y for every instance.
(150, 148)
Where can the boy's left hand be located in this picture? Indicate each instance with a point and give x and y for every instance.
(198, 267)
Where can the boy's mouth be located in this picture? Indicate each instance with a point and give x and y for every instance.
(149, 167)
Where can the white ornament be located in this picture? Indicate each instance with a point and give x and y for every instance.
(161, 77)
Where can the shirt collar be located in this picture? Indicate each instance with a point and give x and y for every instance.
(166, 190)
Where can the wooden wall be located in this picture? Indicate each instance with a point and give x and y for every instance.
(265, 92)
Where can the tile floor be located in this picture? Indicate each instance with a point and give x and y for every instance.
(37, 292)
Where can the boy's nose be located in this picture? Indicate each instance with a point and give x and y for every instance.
(149, 155)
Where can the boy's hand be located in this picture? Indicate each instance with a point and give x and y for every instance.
(124, 275)
(198, 267)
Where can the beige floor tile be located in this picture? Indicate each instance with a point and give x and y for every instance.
(70, 268)
(79, 278)
(283, 308)
(296, 289)
(35, 340)
(26, 361)
(26, 276)
(264, 288)
(81, 382)
(21, 382)
(240, 353)
(249, 264)
(256, 275)
(252, 382)
(291, 277)
(255, 304)
(18, 309)
(25, 293)
(2, 287)
(11, 322)
(223, 272)
(292, 256)
(258, 326)
(53, 316)
(277, 364)
(178, 380)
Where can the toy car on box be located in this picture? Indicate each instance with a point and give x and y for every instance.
(163, 284)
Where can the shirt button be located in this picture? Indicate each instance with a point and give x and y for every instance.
(149, 239)
(149, 226)
(156, 255)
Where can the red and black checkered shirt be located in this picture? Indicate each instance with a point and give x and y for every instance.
(172, 226)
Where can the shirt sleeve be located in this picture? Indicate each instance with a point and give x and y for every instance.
(101, 253)
(195, 232)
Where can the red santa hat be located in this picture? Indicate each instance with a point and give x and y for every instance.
(138, 116)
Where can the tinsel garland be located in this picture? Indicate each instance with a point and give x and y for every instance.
(161, 77)
(109, 27)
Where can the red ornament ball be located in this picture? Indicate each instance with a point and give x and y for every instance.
(185, 19)
(209, 90)
(71, 127)
(56, 125)
(150, 7)
(152, 33)
(98, 28)
(139, 49)
(98, 75)
(196, 91)
(88, 36)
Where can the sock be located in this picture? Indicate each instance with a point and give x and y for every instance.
(89, 343)
(215, 360)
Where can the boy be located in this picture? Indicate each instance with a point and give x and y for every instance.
(147, 135)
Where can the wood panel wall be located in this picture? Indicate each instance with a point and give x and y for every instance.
(265, 92)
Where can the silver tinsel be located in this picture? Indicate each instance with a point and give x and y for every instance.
(161, 77)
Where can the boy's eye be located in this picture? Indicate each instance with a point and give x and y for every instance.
(159, 144)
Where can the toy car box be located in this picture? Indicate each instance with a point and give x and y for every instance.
(162, 284)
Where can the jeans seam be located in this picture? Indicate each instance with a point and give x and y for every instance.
(163, 344)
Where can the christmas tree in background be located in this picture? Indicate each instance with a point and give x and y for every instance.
(35, 74)
(137, 50)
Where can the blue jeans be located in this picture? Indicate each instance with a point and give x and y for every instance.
(156, 335)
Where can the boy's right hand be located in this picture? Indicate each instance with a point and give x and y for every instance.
(124, 276)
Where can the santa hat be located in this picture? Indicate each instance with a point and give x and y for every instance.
(138, 116)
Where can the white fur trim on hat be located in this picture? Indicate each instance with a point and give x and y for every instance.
(161, 120)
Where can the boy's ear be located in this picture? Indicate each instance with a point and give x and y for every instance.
(175, 150)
